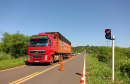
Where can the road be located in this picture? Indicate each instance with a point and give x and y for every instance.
(46, 74)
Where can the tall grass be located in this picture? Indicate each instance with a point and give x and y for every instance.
(101, 73)
(121, 58)
(7, 61)
(4, 56)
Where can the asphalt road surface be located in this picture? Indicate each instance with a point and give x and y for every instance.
(46, 74)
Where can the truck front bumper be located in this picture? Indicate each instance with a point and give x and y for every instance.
(38, 59)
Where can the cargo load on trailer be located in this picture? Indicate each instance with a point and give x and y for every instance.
(48, 47)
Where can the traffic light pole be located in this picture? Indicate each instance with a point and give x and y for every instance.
(108, 36)
(113, 58)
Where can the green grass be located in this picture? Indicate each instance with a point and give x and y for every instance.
(101, 73)
(10, 63)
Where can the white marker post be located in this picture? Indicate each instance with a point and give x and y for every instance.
(113, 58)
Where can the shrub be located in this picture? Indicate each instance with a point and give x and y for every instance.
(125, 66)
(15, 44)
(4, 56)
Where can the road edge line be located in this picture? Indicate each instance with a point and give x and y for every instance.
(84, 70)
(12, 68)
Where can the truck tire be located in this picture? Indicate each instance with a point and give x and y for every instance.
(51, 62)
(61, 58)
(64, 57)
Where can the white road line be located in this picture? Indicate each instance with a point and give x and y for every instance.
(12, 68)
(84, 70)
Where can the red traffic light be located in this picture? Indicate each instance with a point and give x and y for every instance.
(107, 31)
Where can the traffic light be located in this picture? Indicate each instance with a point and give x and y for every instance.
(108, 33)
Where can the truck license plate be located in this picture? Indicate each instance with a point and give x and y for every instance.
(36, 61)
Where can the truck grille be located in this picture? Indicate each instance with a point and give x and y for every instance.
(37, 52)
(37, 57)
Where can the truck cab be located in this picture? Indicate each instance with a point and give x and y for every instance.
(41, 48)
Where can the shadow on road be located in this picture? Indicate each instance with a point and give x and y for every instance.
(42, 64)
(39, 64)
(79, 74)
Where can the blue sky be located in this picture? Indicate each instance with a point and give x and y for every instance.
(82, 22)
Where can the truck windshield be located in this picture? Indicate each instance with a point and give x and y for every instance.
(38, 42)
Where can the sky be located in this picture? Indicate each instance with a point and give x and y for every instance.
(82, 22)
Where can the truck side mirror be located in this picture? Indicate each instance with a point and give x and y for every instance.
(27, 43)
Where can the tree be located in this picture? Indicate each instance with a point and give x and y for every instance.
(87, 46)
(15, 44)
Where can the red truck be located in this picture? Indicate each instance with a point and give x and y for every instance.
(48, 47)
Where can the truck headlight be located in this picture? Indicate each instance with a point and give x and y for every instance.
(45, 57)
(28, 57)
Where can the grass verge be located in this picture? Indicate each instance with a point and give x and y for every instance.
(101, 73)
(11, 63)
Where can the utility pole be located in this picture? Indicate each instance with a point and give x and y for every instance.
(107, 43)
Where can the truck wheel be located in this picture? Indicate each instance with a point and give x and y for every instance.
(51, 62)
(61, 58)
